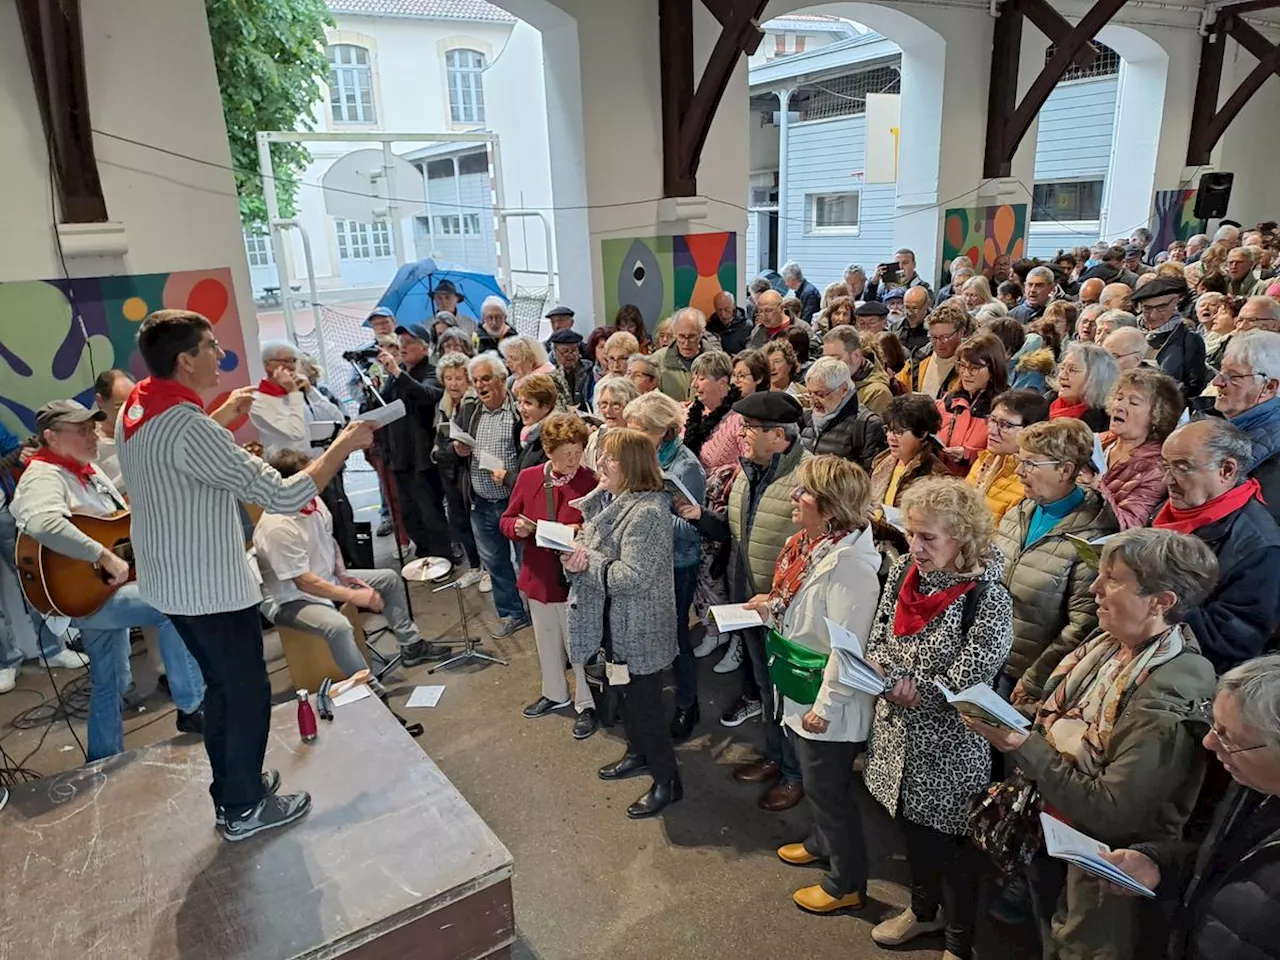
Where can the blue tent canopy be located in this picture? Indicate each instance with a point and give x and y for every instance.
(408, 295)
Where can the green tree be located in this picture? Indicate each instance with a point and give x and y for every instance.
(271, 63)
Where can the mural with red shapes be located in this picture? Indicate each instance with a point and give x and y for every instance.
(58, 335)
(984, 235)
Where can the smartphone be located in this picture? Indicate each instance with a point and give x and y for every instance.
(889, 272)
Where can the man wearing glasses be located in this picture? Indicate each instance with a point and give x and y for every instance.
(1228, 885)
(1212, 497)
(675, 363)
(934, 373)
(1248, 388)
(1175, 349)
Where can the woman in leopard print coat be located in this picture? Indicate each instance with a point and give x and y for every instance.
(923, 765)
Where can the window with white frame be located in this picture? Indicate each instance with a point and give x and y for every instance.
(833, 212)
(454, 225)
(257, 246)
(472, 223)
(350, 84)
(466, 85)
(448, 226)
(363, 241)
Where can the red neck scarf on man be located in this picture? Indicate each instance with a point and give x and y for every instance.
(81, 471)
(917, 610)
(152, 397)
(1061, 408)
(1191, 519)
(780, 330)
(271, 389)
(310, 508)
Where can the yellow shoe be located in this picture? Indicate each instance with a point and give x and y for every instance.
(796, 855)
(816, 900)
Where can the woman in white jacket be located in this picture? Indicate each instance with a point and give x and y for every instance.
(828, 570)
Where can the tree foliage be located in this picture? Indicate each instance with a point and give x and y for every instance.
(271, 63)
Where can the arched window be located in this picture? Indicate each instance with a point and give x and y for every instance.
(350, 84)
(466, 85)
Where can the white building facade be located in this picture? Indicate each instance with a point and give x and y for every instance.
(428, 66)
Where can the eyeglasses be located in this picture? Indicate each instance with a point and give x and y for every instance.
(1021, 463)
(823, 394)
(211, 342)
(798, 492)
(1235, 378)
(968, 367)
(942, 338)
(1148, 307)
(1122, 356)
(1228, 747)
(1184, 468)
(688, 337)
(1004, 426)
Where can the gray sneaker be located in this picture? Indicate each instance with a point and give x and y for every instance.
(506, 626)
(270, 784)
(277, 810)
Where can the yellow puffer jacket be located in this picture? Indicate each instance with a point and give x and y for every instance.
(992, 474)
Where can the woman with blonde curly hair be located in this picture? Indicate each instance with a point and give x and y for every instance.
(946, 617)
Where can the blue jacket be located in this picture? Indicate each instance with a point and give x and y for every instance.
(1262, 424)
(688, 470)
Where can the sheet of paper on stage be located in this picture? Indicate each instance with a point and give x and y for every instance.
(381, 416)
(426, 696)
(358, 692)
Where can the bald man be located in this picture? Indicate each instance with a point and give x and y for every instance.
(1128, 345)
(1091, 291)
(1115, 296)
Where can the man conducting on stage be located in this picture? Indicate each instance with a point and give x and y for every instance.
(186, 477)
(61, 480)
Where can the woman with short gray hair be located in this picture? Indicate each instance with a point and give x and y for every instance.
(643, 372)
(612, 396)
(1113, 749)
(1085, 378)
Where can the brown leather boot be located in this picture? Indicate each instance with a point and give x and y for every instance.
(782, 796)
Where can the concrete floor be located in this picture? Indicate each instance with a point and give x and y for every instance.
(702, 881)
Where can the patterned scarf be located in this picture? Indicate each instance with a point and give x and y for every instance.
(800, 552)
(1086, 694)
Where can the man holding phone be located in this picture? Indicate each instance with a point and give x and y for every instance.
(900, 273)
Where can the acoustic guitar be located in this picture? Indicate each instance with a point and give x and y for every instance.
(57, 585)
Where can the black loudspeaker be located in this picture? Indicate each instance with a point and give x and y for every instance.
(364, 546)
(1212, 197)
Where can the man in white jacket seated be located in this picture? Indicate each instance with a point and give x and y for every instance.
(305, 581)
(291, 414)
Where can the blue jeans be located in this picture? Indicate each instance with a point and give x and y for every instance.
(50, 645)
(686, 667)
(105, 635)
(495, 554)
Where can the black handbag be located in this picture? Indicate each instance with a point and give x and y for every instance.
(1005, 820)
(607, 698)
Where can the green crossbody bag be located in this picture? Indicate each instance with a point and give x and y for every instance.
(794, 669)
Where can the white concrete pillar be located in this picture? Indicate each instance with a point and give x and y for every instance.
(1251, 144)
(784, 152)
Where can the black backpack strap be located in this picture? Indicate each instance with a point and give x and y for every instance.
(897, 589)
(972, 600)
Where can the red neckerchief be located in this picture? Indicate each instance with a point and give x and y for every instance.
(81, 471)
(1060, 408)
(780, 330)
(310, 508)
(271, 388)
(152, 397)
(1191, 519)
(916, 610)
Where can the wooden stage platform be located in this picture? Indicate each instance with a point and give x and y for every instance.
(120, 860)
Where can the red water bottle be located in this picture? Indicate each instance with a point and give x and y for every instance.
(306, 718)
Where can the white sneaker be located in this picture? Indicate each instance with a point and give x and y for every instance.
(711, 643)
(68, 659)
(732, 658)
(8, 679)
(470, 579)
(903, 928)
(486, 582)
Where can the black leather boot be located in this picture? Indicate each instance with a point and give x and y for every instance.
(659, 796)
(683, 723)
(631, 765)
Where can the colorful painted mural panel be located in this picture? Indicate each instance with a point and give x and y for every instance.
(1173, 217)
(662, 274)
(984, 234)
(57, 335)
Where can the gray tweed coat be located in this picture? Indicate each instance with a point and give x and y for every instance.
(634, 532)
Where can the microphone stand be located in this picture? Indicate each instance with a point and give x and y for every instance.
(387, 663)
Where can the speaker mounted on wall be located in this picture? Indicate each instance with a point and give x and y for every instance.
(1213, 195)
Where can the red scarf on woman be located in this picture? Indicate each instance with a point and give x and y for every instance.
(271, 389)
(793, 564)
(152, 397)
(81, 471)
(916, 610)
(1061, 408)
(1191, 519)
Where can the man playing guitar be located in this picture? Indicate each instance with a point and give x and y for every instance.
(61, 480)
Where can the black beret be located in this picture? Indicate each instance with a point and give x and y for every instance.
(566, 336)
(871, 308)
(559, 312)
(770, 407)
(1159, 287)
